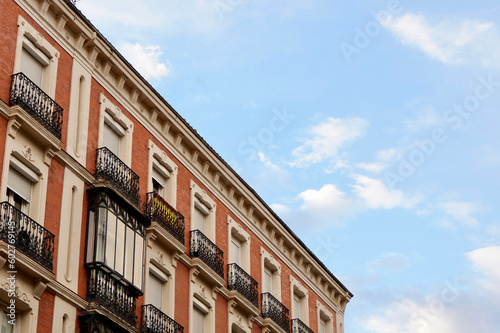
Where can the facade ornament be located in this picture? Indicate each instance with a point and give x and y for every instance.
(28, 153)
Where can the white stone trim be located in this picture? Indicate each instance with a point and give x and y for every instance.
(159, 157)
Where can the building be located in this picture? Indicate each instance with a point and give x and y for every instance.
(116, 216)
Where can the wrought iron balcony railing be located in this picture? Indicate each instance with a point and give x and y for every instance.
(242, 282)
(208, 252)
(18, 229)
(112, 294)
(38, 104)
(157, 209)
(111, 169)
(277, 312)
(155, 321)
(299, 327)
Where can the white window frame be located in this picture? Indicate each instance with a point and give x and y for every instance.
(324, 313)
(298, 290)
(34, 42)
(123, 126)
(159, 160)
(236, 231)
(198, 195)
(205, 307)
(267, 260)
(164, 277)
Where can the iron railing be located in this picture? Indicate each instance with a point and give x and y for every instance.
(112, 294)
(277, 312)
(208, 252)
(19, 230)
(155, 321)
(37, 103)
(299, 327)
(157, 209)
(242, 282)
(111, 169)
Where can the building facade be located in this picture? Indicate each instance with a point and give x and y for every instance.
(116, 216)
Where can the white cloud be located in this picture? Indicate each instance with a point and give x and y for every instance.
(384, 158)
(449, 42)
(461, 211)
(391, 261)
(371, 167)
(487, 261)
(146, 59)
(376, 194)
(425, 119)
(326, 138)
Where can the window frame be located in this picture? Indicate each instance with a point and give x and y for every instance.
(159, 160)
(267, 260)
(325, 315)
(236, 231)
(200, 200)
(297, 290)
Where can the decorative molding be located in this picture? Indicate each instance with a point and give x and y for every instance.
(38, 289)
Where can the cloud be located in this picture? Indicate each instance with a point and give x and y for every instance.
(461, 211)
(486, 261)
(426, 118)
(449, 42)
(146, 59)
(376, 194)
(384, 158)
(326, 138)
(391, 261)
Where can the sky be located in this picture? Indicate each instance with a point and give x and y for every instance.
(370, 127)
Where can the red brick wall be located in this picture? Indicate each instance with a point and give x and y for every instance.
(45, 313)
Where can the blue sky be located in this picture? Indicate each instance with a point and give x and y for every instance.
(371, 127)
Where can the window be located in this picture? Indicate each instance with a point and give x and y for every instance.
(19, 191)
(155, 291)
(115, 239)
(111, 137)
(6, 327)
(202, 212)
(299, 298)
(199, 217)
(163, 174)
(36, 57)
(239, 245)
(325, 319)
(199, 317)
(271, 274)
(235, 251)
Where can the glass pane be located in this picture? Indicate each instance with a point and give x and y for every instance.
(139, 255)
(129, 255)
(101, 234)
(111, 240)
(31, 67)
(90, 237)
(120, 246)
(155, 291)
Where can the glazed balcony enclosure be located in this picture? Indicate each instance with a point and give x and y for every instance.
(26, 235)
(207, 251)
(157, 209)
(37, 103)
(242, 282)
(154, 321)
(111, 169)
(274, 310)
(299, 327)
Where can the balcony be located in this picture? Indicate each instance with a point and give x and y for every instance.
(299, 327)
(112, 170)
(112, 294)
(242, 282)
(26, 235)
(157, 209)
(155, 321)
(274, 310)
(208, 252)
(38, 104)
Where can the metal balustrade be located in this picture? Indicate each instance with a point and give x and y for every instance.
(114, 171)
(299, 327)
(112, 294)
(157, 209)
(242, 282)
(37, 103)
(274, 310)
(155, 321)
(27, 236)
(208, 252)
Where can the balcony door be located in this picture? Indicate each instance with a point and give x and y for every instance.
(33, 65)
(235, 251)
